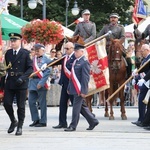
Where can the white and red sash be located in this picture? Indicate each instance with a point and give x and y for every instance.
(40, 74)
(66, 70)
(75, 80)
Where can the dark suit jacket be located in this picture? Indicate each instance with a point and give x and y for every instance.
(63, 78)
(146, 69)
(21, 68)
(82, 71)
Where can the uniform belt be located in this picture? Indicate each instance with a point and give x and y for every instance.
(15, 74)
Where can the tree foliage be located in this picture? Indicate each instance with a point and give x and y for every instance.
(56, 10)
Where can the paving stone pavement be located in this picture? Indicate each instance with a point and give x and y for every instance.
(109, 134)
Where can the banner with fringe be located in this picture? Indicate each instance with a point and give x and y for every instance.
(97, 56)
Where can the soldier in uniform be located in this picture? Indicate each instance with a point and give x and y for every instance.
(118, 31)
(78, 87)
(86, 29)
(16, 81)
(143, 83)
(38, 86)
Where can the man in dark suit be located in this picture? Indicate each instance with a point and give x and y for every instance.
(20, 67)
(143, 77)
(64, 80)
(78, 87)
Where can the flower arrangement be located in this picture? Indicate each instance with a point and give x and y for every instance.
(43, 31)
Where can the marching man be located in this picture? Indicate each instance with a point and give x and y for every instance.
(78, 87)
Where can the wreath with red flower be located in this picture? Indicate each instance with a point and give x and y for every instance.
(43, 31)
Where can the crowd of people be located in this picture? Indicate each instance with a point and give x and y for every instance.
(72, 73)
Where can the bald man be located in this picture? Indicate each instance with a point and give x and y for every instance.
(64, 80)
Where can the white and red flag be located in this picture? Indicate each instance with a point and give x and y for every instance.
(139, 13)
(97, 56)
(78, 20)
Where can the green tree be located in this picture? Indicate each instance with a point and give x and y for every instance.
(56, 10)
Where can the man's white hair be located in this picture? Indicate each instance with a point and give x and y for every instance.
(145, 46)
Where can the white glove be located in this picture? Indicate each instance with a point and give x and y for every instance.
(133, 82)
(43, 67)
(134, 73)
(140, 82)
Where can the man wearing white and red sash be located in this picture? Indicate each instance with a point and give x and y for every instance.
(38, 86)
(64, 80)
(78, 87)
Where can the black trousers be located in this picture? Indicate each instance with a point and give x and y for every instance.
(64, 105)
(20, 99)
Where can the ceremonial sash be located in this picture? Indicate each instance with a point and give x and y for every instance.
(66, 70)
(40, 74)
(75, 80)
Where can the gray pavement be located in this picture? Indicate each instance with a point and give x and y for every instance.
(109, 134)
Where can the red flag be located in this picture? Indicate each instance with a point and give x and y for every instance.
(139, 13)
(97, 56)
(78, 20)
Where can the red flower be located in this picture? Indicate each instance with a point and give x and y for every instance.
(43, 31)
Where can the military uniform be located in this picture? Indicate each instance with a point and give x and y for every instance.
(39, 94)
(16, 83)
(87, 30)
(143, 89)
(82, 71)
(118, 32)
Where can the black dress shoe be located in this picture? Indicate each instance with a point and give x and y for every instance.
(13, 125)
(40, 125)
(34, 123)
(147, 128)
(142, 125)
(136, 122)
(19, 131)
(91, 127)
(69, 129)
(60, 126)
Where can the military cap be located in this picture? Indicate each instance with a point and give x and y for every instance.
(114, 15)
(39, 46)
(14, 36)
(78, 46)
(86, 11)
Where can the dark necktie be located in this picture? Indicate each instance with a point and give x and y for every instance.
(15, 53)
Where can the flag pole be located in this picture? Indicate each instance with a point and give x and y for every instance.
(111, 96)
(49, 65)
(71, 24)
(98, 39)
